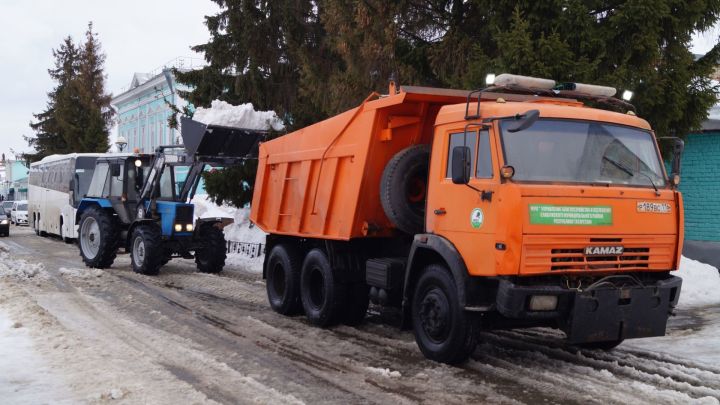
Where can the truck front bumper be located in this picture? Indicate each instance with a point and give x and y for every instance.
(603, 313)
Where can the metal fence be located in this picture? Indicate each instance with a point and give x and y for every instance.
(248, 249)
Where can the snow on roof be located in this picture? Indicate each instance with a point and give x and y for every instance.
(140, 78)
(241, 116)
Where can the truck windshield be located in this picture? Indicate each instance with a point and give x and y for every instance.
(583, 152)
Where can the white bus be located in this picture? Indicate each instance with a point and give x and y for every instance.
(56, 185)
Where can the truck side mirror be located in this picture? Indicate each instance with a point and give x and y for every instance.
(678, 148)
(523, 121)
(460, 165)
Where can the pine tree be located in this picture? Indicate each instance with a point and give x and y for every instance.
(49, 135)
(78, 116)
(311, 59)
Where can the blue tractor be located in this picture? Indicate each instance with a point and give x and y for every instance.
(141, 202)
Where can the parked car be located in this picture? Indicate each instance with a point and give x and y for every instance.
(19, 213)
(6, 208)
(4, 225)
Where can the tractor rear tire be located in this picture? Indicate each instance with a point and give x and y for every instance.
(146, 250)
(321, 293)
(99, 238)
(282, 279)
(443, 330)
(403, 188)
(211, 257)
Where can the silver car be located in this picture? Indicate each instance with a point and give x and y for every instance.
(19, 213)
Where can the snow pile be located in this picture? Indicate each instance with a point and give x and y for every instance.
(80, 273)
(701, 284)
(19, 269)
(241, 116)
(385, 372)
(242, 230)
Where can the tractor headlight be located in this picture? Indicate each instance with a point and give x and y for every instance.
(4, 222)
(178, 228)
(189, 227)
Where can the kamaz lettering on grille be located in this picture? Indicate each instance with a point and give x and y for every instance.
(604, 250)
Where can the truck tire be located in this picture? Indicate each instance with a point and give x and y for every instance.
(282, 279)
(98, 238)
(403, 188)
(211, 257)
(146, 250)
(443, 330)
(320, 291)
(357, 300)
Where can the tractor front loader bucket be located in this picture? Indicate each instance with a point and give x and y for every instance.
(219, 143)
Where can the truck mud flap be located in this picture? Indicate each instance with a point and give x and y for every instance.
(611, 314)
(208, 142)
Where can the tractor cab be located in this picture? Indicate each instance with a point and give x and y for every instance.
(117, 182)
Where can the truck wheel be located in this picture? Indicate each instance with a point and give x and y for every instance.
(320, 292)
(403, 188)
(607, 345)
(98, 239)
(357, 300)
(146, 249)
(282, 279)
(211, 257)
(443, 330)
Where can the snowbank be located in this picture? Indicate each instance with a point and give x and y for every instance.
(241, 116)
(701, 284)
(242, 230)
(18, 269)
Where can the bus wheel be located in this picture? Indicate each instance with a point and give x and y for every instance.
(210, 258)
(36, 225)
(282, 279)
(98, 239)
(62, 233)
(321, 293)
(146, 249)
(443, 330)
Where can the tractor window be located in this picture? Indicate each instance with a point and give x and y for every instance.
(116, 183)
(166, 183)
(181, 173)
(98, 181)
(459, 139)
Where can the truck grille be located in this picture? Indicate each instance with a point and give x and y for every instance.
(567, 253)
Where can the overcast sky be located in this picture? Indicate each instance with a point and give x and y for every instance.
(136, 35)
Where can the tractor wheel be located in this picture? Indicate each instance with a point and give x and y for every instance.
(403, 188)
(282, 279)
(99, 237)
(210, 258)
(443, 330)
(146, 249)
(321, 293)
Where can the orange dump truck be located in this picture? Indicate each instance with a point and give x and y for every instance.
(516, 206)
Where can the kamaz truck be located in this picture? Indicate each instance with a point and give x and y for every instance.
(524, 204)
(141, 203)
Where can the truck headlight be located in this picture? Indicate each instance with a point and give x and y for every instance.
(543, 302)
(178, 228)
(189, 227)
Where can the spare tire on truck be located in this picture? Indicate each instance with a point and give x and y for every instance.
(403, 188)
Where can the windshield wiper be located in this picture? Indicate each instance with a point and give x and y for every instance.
(631, 173)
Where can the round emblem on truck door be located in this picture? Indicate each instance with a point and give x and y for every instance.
(476, 218)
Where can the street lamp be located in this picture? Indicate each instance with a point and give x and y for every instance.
(121, 142)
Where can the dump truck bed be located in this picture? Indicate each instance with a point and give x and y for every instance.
(323, 181)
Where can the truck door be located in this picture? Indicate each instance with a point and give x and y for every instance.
(466, 214)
